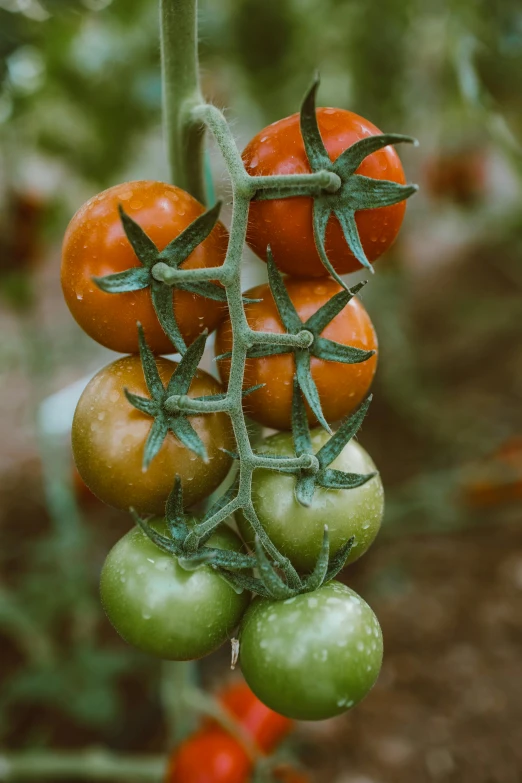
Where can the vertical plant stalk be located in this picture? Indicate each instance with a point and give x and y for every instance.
(184, 133)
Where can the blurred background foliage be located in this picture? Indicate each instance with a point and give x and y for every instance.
(79, 111)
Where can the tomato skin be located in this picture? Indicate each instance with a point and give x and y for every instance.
(313, 656)
(95, 245)
(341, 387)
(109, 434)
(286, 224)
(296, 530)
(266, 727)
(160, 608)
(210, 756)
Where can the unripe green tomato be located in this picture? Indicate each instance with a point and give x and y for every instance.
(296, 530)
(163, 609)
(313, 656)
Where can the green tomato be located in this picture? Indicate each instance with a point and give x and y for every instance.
(163, 609)
(296, 530)
(313, 656)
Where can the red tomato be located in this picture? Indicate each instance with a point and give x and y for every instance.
(286, 224)
(266, 727)
(210, 756)
(341, 387)
(95, 245)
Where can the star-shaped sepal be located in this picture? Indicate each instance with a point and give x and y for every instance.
(176, 252)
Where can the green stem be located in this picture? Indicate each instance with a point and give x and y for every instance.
(181, 93)
(95, 764)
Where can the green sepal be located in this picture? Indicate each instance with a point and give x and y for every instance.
(207, 289)
(163, 303)
(161, 541)
(134, 279)
(370, 193)
(320, 217)
(308, 387)
(346, 218)
(150, 370)
(300, 428)
(220, 503)
(157, 434)
(330, 351)
(338, 562)
(187, 435)
(315, 150)
(185, 243)
(218, 557)
(284, 304)
(317, 577)
(241, 583)
(174, 513)
(186, 370)
(349, 161)
(337, 479)
(143, 404)
(260, 350)
(304, 489)
(345, 433)
(322, 317)
(143, 246)
(269, 576)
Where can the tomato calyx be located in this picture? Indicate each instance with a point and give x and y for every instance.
(171, 257)
(180, 526)
(353, 192)
(311, 342)
(165, 419)
(321, 475)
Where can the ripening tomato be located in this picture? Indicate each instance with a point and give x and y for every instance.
(296, 530)
(313, 656)
(341, 387)
(286, 224)
(266, 727)
(109, 434)
(164, 610)
(210, 756)
(95, 245)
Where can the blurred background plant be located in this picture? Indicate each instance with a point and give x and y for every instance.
(79, 111)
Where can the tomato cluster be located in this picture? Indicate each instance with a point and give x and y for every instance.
(138, 431)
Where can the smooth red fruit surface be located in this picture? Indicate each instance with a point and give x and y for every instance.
(109, 435)
(286, 224)
(210, 756)
(95, 245)
(266, 727)
(341, 387)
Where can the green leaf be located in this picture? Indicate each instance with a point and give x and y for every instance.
(187, 435)
(150, 370)
(350, 160)
(346, 219)
(370, 193)
(346, 432)
(157, 434)
(337, 479)
(163, 303)
(143, 246)
(300, 429)
(318, 575)
(143, 404)
(321, 215)
(313, 142)
(185, 243)
(320, 319)
(133, 279)
(182, 377)
(304, 489)
(285, 307)
(330, 351)
(308, 387)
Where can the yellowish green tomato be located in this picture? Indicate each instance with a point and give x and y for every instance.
(163, 609)
(313, 656)
(296, 530)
